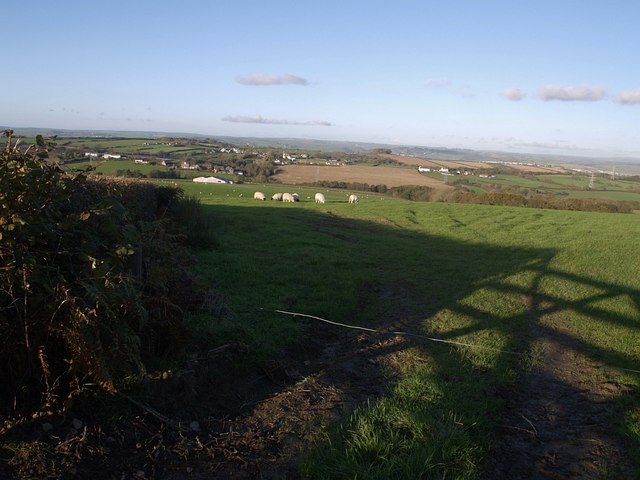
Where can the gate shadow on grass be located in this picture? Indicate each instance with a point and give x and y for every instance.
(389, 278)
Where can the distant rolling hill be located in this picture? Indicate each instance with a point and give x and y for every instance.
(621, 165)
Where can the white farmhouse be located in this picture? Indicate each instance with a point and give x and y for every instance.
(211, 180)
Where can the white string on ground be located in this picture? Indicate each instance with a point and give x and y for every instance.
(406, 334)
(424, 337)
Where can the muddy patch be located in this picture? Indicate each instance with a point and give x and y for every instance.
(559, 424)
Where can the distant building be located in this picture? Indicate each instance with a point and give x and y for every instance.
(211, 180)
(187, 165)
(424, 169)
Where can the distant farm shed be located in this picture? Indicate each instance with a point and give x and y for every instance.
(211, 180)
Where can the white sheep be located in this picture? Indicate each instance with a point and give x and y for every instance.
(296, 197)
(259, 196)
(319, 198)
(353, 198)
(287, 197)
(277, 197)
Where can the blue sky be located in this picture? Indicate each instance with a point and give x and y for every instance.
(558, 76)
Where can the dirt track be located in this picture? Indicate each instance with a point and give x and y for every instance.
(558, 424)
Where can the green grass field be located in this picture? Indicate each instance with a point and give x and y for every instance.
(110, 167)
(575, 186)
(131, 146)
(467, 273)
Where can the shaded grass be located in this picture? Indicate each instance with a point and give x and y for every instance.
(458, 272)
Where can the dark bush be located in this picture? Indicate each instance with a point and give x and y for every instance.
(411, 192)
(94, 278)
(354, 186)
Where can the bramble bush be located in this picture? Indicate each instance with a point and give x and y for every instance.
(94, 277)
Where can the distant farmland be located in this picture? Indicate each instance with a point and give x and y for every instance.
(389, 176)
(425, 162)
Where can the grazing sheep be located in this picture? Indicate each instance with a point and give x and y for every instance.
(277, 197)
(287, 197)
(353, 198)
(259, 196)
(319, 198)
(296, 197)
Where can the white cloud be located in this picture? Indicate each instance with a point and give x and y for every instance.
(514, 94)
(272, 121)
(629, 97)
(262, 79)
(572, 94)
(438, 82)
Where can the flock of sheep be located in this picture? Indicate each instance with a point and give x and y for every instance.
(294, 197)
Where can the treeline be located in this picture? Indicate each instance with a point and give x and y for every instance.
(355, 186)
(163, 174)
(94, 281)
(416, 193)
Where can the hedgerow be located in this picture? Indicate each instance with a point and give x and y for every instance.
(554, 202)
(94, 278)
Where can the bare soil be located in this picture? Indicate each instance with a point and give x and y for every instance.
(389, 176)
(559, 424)
(198, 424)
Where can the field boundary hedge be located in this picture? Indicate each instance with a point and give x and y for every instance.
(94, 278)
